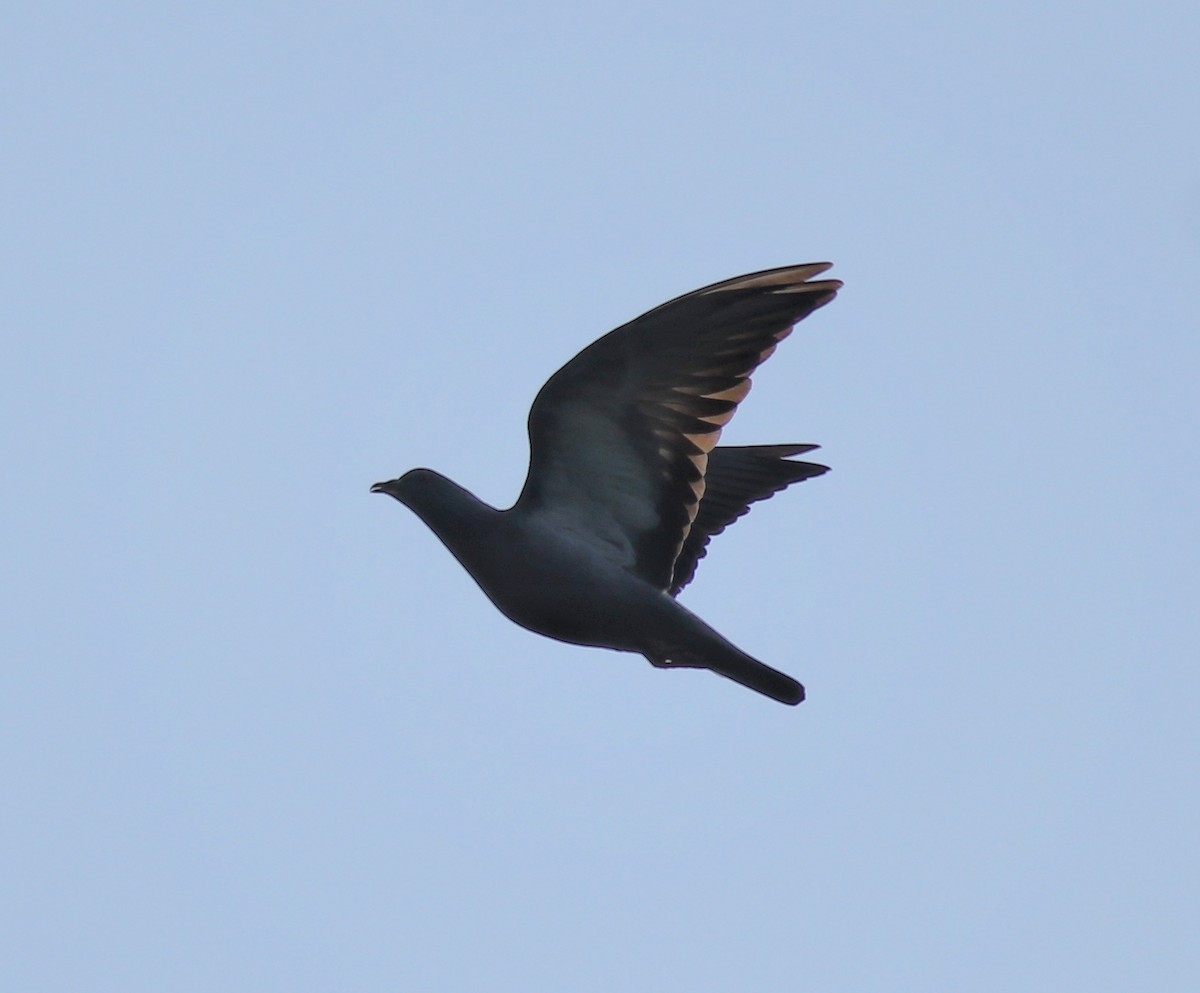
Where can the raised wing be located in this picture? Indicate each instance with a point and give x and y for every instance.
(737, 477)
(620, 436)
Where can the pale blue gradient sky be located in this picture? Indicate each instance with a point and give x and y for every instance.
(260, 732)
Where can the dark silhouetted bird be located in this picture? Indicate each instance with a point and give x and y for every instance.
(626, 483)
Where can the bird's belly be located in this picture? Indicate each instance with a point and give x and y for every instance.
(574, 613)
(605, 610)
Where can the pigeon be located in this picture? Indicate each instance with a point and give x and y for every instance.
(626, 483)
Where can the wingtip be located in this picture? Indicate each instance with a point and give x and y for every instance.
(785, 279)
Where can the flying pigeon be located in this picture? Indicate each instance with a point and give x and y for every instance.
(626, 482)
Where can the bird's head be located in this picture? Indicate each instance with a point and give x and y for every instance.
(411, 484)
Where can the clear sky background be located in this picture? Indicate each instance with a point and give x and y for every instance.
(261, 733)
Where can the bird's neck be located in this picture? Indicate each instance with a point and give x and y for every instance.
(465, 524)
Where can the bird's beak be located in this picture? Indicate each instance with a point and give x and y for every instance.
(379, 488)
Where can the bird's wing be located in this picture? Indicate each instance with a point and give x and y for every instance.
(737, 477)
(620, 436)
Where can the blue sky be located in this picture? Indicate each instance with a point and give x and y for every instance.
(260, 732)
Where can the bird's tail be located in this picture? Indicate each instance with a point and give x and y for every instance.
(741, 668)
(732, 663)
